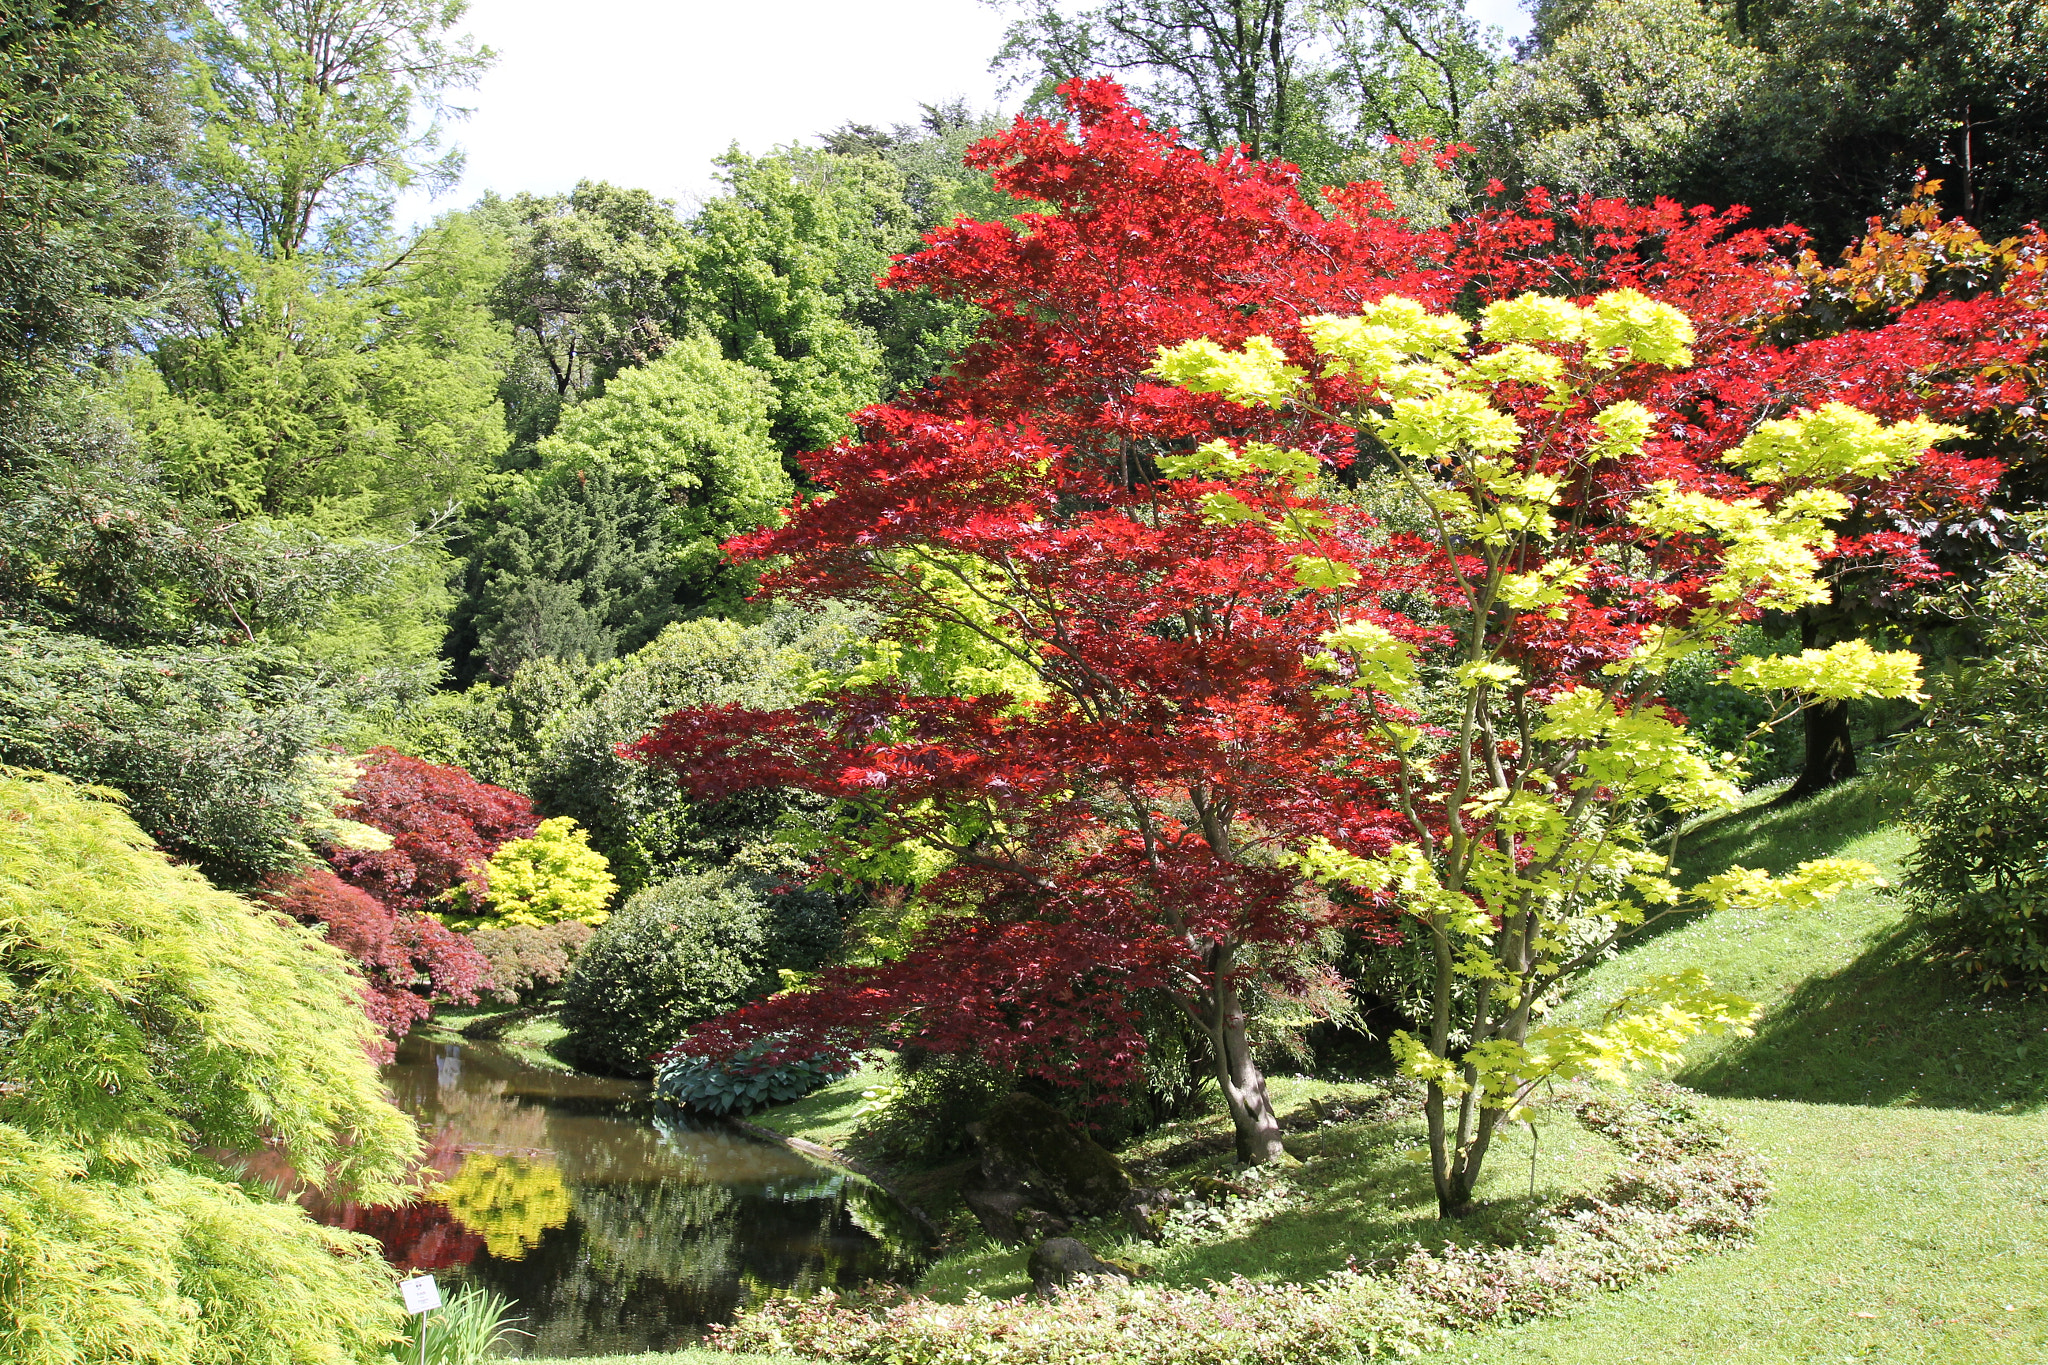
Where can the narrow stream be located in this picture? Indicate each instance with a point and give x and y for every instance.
(613, 1222)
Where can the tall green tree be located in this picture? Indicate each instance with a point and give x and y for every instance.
(1818, 112)
(1860, 96)
(309, 115)
(1626, 98)
(1322, 85)
(766, 280)
(589, 288)
(616, 531)
(88, 228)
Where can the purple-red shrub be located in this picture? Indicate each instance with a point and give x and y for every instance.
(409, 961)
(444, 826)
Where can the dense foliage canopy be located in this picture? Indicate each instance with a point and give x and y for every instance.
(1173, 580)
(151, 1026)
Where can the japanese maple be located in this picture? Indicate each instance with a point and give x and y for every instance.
(443, 825)
(1228, 686)
(409, 961)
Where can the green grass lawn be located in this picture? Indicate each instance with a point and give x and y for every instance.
(1906, 1120)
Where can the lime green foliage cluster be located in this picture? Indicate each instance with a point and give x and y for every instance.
(554, 876)
(1527, 882)
(691, 428)
(1684, 1188)
(146, 1017)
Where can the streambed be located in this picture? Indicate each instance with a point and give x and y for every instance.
(614, 1223)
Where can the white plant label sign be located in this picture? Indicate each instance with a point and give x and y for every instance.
(421, 1294)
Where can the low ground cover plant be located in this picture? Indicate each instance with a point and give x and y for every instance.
(1685, 1186)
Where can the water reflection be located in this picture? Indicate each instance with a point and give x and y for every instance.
(614, 1223)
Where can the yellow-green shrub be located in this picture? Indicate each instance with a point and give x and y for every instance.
(147, 1017)
(554, 876)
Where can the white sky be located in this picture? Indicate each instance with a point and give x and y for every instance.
(645, 92)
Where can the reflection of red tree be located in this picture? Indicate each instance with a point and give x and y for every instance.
(422, 1235)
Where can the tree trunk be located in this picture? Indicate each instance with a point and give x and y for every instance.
(1455, 1164)
(1243, 1085)
(1830, 748)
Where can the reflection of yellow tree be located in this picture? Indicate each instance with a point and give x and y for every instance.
(508, 1200)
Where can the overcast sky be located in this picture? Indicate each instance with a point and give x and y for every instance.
(646, 92)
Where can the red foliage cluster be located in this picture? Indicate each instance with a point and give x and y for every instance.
(408, 960)
(1125, 825)
(444, 825)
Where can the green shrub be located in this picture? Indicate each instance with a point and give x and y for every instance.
(528, 962)
(1979, 772)
(740, 1085)
(1723, 716)
(691, 948)
(636, 817)
(215, 749)
(922, 1116)
(554, 876)
(147, 1017)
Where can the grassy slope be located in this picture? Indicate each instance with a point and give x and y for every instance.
(1907, 1122)
(1904, 1119)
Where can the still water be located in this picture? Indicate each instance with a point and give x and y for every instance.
(614, 1223)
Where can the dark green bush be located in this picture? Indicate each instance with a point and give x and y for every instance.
(212, 747)
(693, 947)
(1979, 773)
(921, 1117)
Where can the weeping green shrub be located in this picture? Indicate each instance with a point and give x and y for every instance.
(147, 1017)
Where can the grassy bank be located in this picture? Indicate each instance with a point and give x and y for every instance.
(1906, 1120)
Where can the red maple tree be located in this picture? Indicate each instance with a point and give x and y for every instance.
(1127, 828)
(409, 960)
(444, 825)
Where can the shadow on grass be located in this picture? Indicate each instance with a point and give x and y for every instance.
(1890, 1028)
(1774, 839)
(1364, 1197)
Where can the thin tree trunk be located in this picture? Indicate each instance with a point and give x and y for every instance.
(1830, 747)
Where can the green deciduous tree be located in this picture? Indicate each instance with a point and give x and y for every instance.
(308, 115)
(588, 288)
(88, 131)
(1323, 85)
(1630, 98)
(767, 282)
(615, 532)
(350, 407)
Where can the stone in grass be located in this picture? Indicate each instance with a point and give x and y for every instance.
(1028, 1148)
(1067, 1263)
(1145, 1211)
(1009, 1218)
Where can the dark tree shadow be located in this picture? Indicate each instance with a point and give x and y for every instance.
(1891, 1028)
